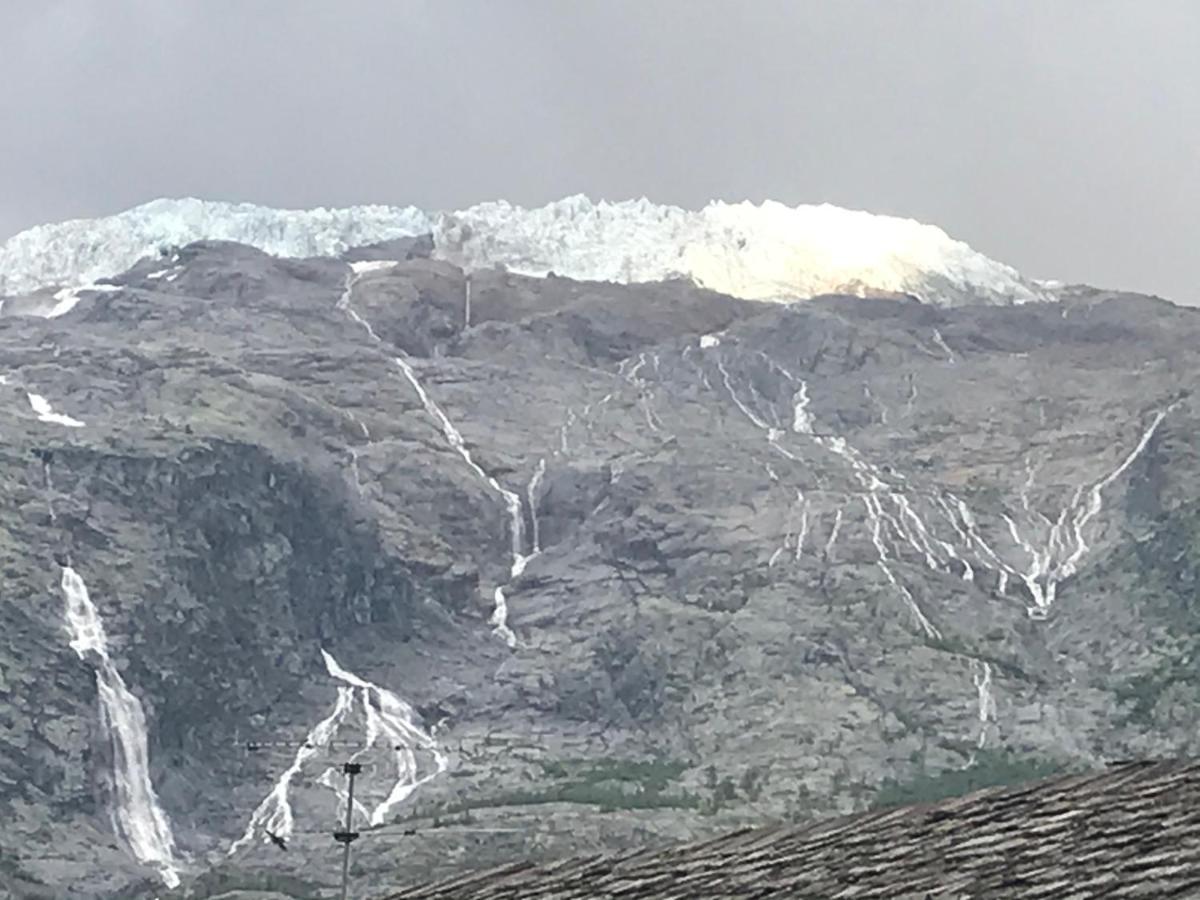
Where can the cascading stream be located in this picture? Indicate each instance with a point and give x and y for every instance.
(512, 501)
(531, 495)
(387, 722)
(1066, 544)
(390, 718)
(870, 478)
(981, 675)
(137, 817)
(1052, 562)
(1049, 564)
(274, 814)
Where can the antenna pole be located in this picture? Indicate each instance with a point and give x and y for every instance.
(467, 302)
(347, 835)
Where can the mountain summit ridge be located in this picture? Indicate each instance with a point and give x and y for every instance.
(766, 251)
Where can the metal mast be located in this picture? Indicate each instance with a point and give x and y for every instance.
(347, 835)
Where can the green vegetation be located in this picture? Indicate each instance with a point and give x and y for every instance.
(991, 768)
(652, 776)
(608, 797)
(1139, 694)
(621, 784)
(610, 784)
(1168, 587)
(224, 882)
(723, 791)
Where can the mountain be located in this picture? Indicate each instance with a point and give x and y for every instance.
(566, 565)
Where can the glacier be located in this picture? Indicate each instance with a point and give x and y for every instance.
(767, 251)
(82, 251)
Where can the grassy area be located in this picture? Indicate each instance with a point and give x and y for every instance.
(610, 784)
(992, 768)
(1166, 591)
(1139, 694)
(609, 798)
(650, 776)
(221, 882)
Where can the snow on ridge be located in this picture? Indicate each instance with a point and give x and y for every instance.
(768, 251)
(757, 252)
(82, 251)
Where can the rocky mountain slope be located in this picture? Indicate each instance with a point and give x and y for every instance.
(568, 566)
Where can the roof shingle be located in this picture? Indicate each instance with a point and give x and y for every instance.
(1129, 831)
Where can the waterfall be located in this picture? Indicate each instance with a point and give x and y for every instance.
(519, 559)
(137, 817)
(388, 723)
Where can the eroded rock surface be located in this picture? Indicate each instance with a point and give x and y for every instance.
(772, 557)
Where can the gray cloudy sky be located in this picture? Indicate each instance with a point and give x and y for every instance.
(1062, 137)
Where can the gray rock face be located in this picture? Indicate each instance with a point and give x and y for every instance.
(774, 558)
(406, 248)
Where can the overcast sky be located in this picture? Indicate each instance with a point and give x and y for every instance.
(1061, 137)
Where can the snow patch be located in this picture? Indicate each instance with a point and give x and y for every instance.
(45, 412)
(67, 300)
(373, 265)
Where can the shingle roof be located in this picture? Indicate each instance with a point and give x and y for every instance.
(1132, 830)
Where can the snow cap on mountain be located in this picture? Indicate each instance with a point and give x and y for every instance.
(766, 251)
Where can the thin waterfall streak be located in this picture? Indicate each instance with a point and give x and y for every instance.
(499, 617)
(274, 814)
(535, 483)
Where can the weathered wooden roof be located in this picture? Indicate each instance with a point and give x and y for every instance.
(1132, 830)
